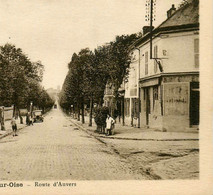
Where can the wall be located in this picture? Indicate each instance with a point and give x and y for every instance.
(179, 46)
(155, 117)
(127, 117)
(131, 86)
(132, 82)
(176, 46)
(176, 106)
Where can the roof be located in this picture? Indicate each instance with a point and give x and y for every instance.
(188, 14)
(186, 17)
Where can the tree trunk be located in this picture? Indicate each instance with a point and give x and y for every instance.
(2, 126)
(14, 111)
(100, 102)
(75, 111)
(78, 110)
(2, 119)
(19, 114)
(82, 111)
(122, 112)
(113, 108)
(91, 109)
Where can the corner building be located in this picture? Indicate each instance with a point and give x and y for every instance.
(169, 83)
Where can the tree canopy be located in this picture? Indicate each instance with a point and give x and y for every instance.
(20, 79)
(90, 71)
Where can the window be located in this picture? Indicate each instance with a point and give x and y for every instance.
(196, 52)
(146, 63)
(155, 56)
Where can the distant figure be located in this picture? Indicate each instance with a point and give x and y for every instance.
(30, 120)
(14, 126)
(27, 118)
(109, 124)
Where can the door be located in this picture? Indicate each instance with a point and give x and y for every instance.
(194, 103)
(147, 99)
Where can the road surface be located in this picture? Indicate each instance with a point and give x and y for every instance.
(56, 149)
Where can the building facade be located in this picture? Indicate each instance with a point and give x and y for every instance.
(131, 96)
(169, 81)
(109, 97)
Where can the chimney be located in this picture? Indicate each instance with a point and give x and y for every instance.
(171, 11)
(146, 29)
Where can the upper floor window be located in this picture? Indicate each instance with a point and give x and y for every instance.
(196, 52)
(155, 56)
(146, 63)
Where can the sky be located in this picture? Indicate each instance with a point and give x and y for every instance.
(52, 30)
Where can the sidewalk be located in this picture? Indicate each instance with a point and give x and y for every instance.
(132, 133)
(8, 128)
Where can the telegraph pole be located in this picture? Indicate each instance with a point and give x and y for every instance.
(150, 9)
(151, 18)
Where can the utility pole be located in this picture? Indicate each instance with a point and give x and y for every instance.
(150, 16)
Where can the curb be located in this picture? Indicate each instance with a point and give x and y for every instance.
(125, 138)
(10, 132)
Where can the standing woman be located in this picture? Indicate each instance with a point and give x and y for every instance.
(109, 123)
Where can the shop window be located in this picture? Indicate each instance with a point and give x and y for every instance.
(196, 52)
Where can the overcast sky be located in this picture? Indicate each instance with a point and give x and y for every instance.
(52, 30)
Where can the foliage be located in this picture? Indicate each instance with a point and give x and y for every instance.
(101, 115)
(20, 79)
(120, 60)
(90, 71)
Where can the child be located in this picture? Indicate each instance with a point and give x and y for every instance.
(14, 126)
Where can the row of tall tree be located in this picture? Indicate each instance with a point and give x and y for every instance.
(90, 72)
(20, 80)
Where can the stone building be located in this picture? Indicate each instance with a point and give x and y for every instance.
(169, 81)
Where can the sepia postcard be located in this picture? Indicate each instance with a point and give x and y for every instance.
(106, 97)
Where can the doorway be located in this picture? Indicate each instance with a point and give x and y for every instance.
(147, 100)
(194, 104)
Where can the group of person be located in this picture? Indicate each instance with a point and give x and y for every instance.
(29, 121)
